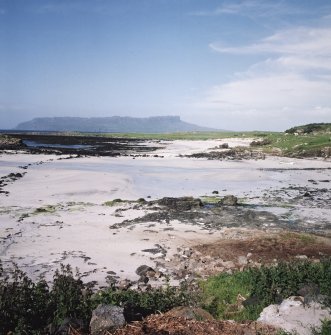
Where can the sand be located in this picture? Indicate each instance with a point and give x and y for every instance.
(77, 229)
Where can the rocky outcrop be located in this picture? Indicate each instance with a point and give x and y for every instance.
(229, 200)
(9, 142)
(231, 154)
(180, 204)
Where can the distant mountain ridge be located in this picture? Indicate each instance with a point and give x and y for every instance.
(115, 124)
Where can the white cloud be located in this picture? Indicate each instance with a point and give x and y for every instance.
(252, 9)
(269, 91)
(300, 41)
(293, 84)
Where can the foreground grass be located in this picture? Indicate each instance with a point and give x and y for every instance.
(264, 286)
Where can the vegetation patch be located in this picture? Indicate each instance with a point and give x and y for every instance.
(45, 209)
(224, 294)
(114, 202)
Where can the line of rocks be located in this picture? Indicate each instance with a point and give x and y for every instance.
(237, 153)
(11, 177)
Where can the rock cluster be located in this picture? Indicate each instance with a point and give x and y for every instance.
(231, 154)
(11, 177)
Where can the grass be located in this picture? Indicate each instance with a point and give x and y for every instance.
(305, 239)
(220, 295)
(304, 144)
(264, 286)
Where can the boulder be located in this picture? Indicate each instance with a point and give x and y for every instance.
(106, 318)
(293, 315)
(230, 200)
(144, 270)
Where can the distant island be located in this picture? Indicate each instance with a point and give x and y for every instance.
(114, 124)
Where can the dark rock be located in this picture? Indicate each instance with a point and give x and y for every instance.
(124, 284)
(224, 146)
(106, 318)
(252, 301)
(142, 270)
(143, 279)
(180, 204)
(230, 200)
(153, 251)
(215, 192)
(310, 292)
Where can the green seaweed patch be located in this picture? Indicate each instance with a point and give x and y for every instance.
(114, 202)
(214, 199)
(79, 203)
(45, 209)
(76, 206)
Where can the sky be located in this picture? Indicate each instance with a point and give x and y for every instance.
(235, 65)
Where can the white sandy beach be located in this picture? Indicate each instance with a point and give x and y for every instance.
(77, 229)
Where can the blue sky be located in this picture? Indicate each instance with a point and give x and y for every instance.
(238, 65)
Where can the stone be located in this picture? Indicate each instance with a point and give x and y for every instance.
(230, 200)
(106, 318)
(143, 270)
(242, 260)
(124, 284)
(293, 315)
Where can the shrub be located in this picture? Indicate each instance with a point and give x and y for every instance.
(140, 304)
(271, 284)
(27, 307)
(24, 305)
(70, 297)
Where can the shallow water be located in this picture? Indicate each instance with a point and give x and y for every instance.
(35, 144)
